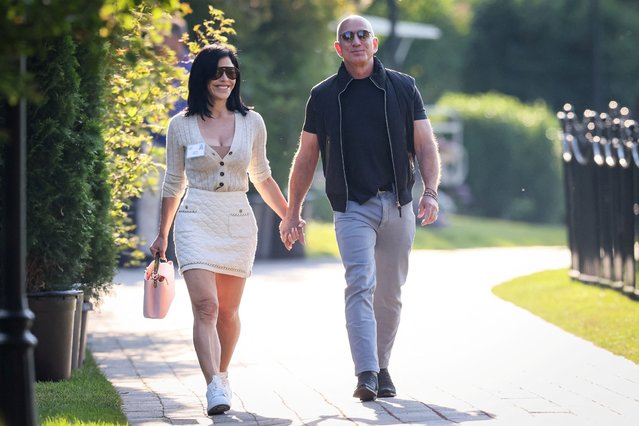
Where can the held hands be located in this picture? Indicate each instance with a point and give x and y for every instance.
(291, 230)
(428, 209)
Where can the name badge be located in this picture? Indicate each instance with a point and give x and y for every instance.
(195, 150)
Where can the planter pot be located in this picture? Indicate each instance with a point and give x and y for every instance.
(77, 328)
(86, 308)
(53, 327)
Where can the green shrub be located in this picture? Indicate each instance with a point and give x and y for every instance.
(69, 231)
(513, 158)
(58, 200)
(99, 270)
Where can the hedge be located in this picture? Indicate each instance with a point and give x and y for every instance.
(513, 157)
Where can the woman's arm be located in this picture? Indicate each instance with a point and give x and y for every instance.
(167, 214)
(272, 195)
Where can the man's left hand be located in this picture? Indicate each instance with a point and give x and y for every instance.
(428, 210)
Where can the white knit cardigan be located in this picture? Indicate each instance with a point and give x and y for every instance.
(245, 159)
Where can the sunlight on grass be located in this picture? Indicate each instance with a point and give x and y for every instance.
(62, 421)
(602, 316)
(87, 398)
(457, 232)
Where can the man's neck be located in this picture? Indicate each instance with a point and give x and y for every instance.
(359, 72)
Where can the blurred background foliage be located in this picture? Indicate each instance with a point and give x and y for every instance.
(513, 157)
(560, 51)
(516, 62)
(504, 65)
(284, 48)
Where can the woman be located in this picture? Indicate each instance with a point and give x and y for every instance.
(211, 146)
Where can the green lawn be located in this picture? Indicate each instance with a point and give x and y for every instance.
(87, 398)
(603, 316)
(458, 232)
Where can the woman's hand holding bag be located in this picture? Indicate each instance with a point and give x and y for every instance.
(159, 288)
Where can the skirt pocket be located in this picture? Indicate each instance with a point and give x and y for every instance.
(241, 223)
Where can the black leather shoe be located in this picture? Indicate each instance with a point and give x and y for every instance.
(386, 386)
(366, 386)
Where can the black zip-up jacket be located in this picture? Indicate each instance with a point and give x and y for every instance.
(400, 98)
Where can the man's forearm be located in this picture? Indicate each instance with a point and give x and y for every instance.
(299, 183)
(427, 153)
(302, 172)
(429, 166)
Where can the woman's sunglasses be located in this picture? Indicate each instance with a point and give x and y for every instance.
(349, 36)
(231, 72)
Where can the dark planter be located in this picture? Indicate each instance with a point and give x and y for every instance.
(86, 307)
(77, 328)
(53, 327)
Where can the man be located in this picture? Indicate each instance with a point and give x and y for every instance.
(368, 123)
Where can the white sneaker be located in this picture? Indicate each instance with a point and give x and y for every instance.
(227, 388)
(216, 397)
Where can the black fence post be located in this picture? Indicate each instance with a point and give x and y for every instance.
(632, 143)
(601, 178)
(569, 193)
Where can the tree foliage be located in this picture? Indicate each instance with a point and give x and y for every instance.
(437, 65)
(559, 51)
(144, 84)
(58, 201)
(70, 215)
(284, 47)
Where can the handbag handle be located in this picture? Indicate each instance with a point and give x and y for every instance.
(156, 266)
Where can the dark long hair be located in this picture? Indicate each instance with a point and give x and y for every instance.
(202, 71)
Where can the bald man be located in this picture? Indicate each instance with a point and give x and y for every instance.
(369, 125)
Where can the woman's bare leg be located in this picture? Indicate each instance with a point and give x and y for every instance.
(229, 292)
(205, 306)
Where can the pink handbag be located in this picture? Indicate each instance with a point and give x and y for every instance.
(159, 288)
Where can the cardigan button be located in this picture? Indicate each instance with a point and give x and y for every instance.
(221, 173)
(221, 163)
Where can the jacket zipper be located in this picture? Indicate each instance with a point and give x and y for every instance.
(390, 145)
(341, 139)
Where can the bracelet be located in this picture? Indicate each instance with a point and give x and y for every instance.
(433, 196)
(428, 192)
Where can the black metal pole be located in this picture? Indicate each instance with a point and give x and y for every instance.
(17, 375)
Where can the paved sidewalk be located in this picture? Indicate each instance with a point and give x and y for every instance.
(462, 356)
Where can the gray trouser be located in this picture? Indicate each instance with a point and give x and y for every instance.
(374, 243)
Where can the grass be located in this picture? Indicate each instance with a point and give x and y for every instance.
(602, 316)
(87, 398)
(458, 232)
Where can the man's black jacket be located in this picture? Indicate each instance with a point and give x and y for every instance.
(401, 99)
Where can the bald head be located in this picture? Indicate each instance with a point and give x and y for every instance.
(354, 21)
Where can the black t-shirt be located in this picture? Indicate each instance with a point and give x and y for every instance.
(367, 154)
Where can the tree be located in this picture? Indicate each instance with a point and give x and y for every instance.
(284, 47)
(559, 51)
(143, 85)
(437, 65)
(58, 165)
(70, 229)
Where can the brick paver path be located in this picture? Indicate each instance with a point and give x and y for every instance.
(462, 355)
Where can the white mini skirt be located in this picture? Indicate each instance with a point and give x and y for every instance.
(215, 231)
